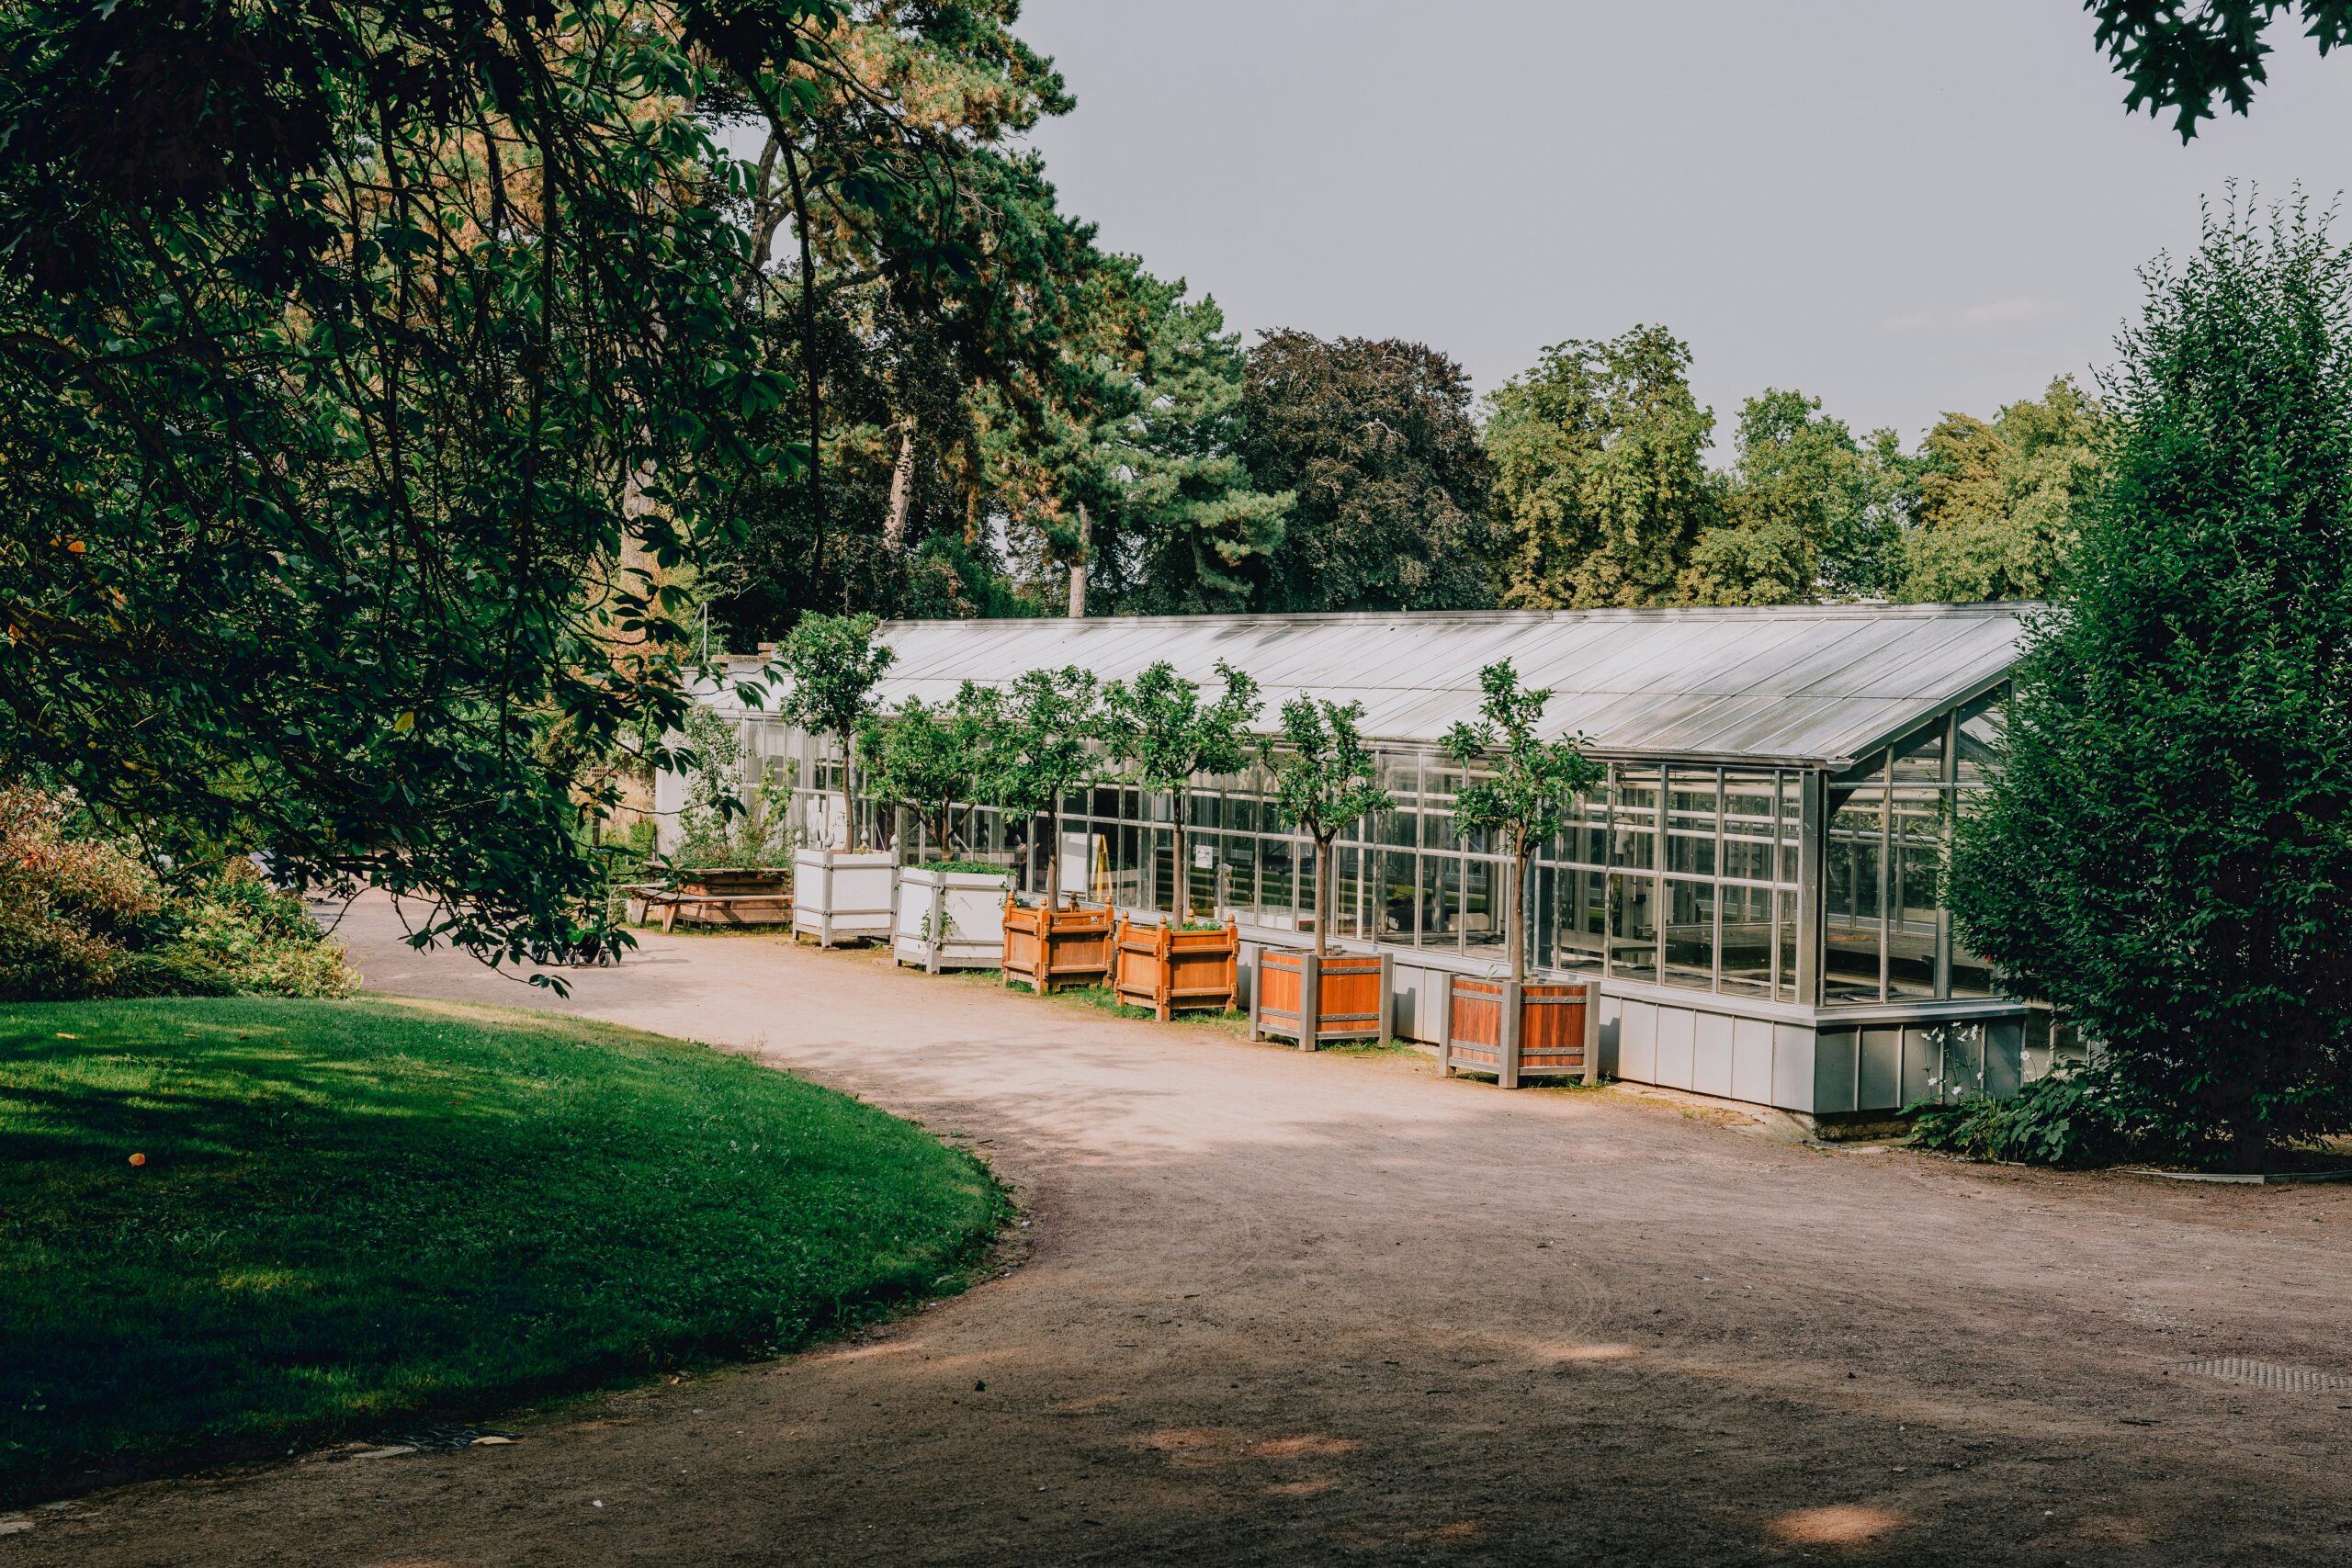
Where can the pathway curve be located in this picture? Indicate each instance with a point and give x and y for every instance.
(1283, 1308)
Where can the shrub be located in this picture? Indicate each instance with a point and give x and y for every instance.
(245, 936)
(72, 909)
(2065, 1120)
(81, 917)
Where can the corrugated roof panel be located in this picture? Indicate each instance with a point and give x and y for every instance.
(1798, 684)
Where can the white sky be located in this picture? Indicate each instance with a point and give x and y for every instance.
(1899, 205)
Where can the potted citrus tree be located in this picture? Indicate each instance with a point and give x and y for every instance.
(1160, 734)
(1041, 743)
(927, 757)
(1325, 779)
(1509, 1027)
(841, 889)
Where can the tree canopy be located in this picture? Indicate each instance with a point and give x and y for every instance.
(370, 371)
(2163, 853)
(1997, 502)
(2188, 58)
(1157, 730)
(1375, 441)
(1325, 777)
(1600, 484)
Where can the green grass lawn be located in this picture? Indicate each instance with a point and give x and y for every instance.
(352, 1215)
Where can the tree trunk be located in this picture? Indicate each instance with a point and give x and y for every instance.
(1183, 902)
(1322, 897)
(1515, 912)
(902, 487)
(1078, 567)
(808, 360)
(1054, 852)
(848, 786)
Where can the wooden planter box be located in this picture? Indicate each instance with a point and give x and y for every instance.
(843, 895)
(1537, 1030)
(1162, 969)
(1047, 948)
(1335, 1000)
(947, 920)
(723, 895)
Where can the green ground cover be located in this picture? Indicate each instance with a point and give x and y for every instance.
(351, 1214)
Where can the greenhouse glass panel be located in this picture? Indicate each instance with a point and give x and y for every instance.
(1747, 944)
(1633, 927)
(1854, 888)
(1690, 935)
(1482, 902)
(1583, 919)
(1401, 898)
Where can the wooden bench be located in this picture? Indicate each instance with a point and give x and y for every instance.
(710, 909)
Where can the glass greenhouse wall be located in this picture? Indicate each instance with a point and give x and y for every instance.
(1766, 915)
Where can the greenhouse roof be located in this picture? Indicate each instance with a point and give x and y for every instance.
(1812, 683)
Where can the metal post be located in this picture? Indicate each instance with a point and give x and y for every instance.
(1310, 1000)
(1592, 1032)
(1445, 1025)
(1507, 1035)
(1387, 1001)
(1257, 993)
(938, 923)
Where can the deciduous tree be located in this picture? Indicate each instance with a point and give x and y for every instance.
(834, 664)
(1375, 442)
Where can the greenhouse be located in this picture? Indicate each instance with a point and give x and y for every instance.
(1756, 887)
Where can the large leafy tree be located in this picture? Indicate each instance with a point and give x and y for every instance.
(2165, 852)
(365, 372)
(2185, 58)
(1808, 511)
(1600, 488)
(1522, 787)
(1158, 730)
(1997, 502)
(1375, 442)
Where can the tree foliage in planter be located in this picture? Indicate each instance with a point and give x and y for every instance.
(1041, 744)
(1324, 778)
(929, 758)
(364, 369)
(1161, 734)
(834, 664)
(1529, 791)
(2164, 854)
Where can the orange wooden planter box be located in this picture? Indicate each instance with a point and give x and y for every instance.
(1162, 969)
(1337, 999)
(1055, 947)
(1535, 1029)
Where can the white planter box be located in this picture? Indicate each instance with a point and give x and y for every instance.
(842, 895)
(950, 920)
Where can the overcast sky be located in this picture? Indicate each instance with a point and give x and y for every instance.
(1900, 206)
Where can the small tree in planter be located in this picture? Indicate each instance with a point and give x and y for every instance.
(929, 757)
(835, 664)
(1526, 801)
(1325, 779)
(1041, 744)
(1161, 732)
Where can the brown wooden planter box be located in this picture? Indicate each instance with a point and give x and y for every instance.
(1338, 1000)
(1055, 947)
(1162, 969)
(1539, 1029)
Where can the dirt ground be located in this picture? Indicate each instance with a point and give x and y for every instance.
(1279, 1308)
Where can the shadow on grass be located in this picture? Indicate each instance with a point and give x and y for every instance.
(352, 1212)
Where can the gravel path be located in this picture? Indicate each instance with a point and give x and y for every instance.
(1294, 1309)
